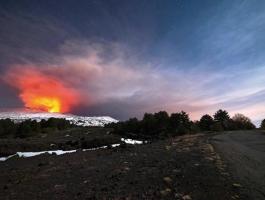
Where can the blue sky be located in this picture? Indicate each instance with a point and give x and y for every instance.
(130, 57)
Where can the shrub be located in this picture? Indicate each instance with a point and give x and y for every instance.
(217, 126)
(30, 128)
(242, 122)
(24, 129)
(7, 128)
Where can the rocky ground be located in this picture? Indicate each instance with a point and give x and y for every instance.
(185, 167)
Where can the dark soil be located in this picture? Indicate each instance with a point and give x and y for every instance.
(182, 168)
(75, 138)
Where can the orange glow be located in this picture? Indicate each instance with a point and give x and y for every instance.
(41, 91)
(49, 104)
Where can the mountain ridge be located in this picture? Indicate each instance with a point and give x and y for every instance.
(20, 116)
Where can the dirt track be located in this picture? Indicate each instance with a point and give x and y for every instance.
(244, 153)
(181, 168)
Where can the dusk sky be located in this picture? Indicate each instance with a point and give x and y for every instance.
(123, 58)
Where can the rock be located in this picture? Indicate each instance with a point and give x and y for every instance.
(59, 188)
(127, 168)
(186, 197)
(168, 180)
(168, 147)
(165, 192)
(43, 164)
(178, 195)
(237, 185)
(176, 171)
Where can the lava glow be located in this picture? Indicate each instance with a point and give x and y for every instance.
(41, 91)
(47, 103)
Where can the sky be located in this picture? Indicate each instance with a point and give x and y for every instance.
(123, 58)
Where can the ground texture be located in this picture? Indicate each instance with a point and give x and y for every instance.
(244, 154)
(185, 167)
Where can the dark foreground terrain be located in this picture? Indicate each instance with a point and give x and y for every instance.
(185, 167)
(244, 153)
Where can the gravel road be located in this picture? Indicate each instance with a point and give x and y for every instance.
(244, 153)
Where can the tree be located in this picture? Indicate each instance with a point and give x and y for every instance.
(242, 122)
(148, 124)
(221, 116)
(133, 125)
(180, 123)
(206, 122)
(161, 122)
(262, 125)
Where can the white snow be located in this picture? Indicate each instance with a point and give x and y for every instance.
(31, 154)
(74, 119)
(131, 141)
(56, 152)
(5, 158)
(60, 152)
(103, 147)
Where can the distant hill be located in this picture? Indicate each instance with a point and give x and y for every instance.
(74, 119)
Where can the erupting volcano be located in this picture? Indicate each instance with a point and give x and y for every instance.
(41, 91)
(49, 104)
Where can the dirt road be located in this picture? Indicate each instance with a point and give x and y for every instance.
(244, 153)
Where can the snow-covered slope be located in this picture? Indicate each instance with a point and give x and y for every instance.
(38, 116)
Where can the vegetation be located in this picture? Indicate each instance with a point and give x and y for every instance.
(152, 126)
(206, 123)
(31, 127)
(161, 124)
(242, 122)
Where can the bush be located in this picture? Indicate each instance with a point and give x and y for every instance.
(7, 128)
(217, 126)
(24, 129)
(242, 122)
(30, 128)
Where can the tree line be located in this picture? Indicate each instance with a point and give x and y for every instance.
(161, 124)
(9, 129)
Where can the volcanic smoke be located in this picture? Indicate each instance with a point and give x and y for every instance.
(41, 91)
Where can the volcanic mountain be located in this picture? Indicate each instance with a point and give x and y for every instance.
(19, 116)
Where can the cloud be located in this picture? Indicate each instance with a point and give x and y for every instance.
(218, 65)
(111, 80)
(108, 82)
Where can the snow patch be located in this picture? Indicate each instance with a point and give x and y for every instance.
(131, 141)
(31, 154)
(56, 152)
(61, 152)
